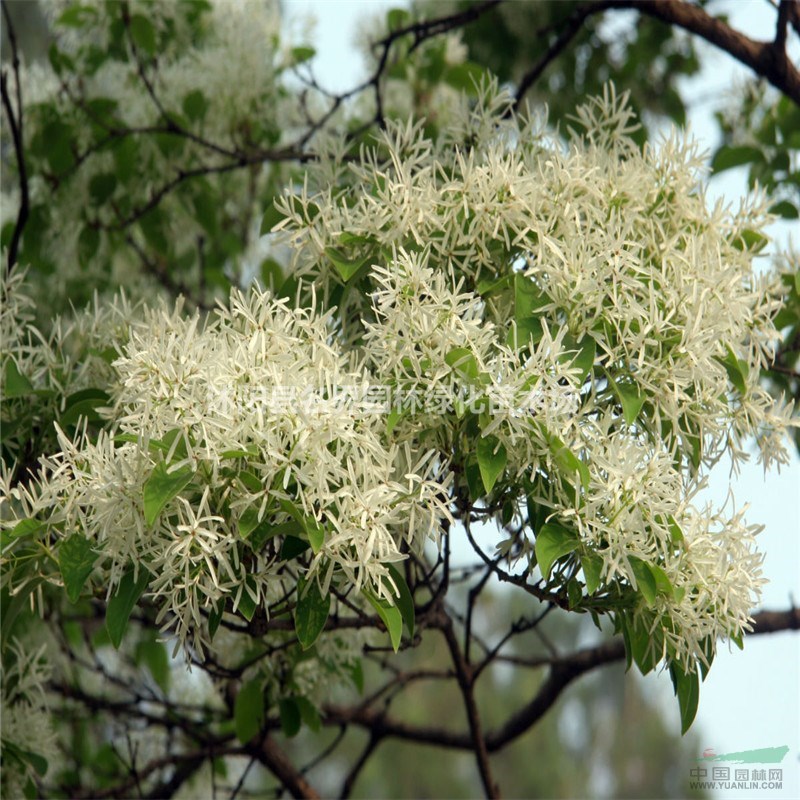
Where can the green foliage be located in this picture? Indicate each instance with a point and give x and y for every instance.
(248, 713)
(162, 486)
(646, 56)
(311, 613)
(120, 606)
(76, 559)
(553, 542)
(492, 458)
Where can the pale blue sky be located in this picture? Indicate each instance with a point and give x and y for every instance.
(751, 699)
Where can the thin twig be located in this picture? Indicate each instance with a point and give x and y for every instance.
(15, 122)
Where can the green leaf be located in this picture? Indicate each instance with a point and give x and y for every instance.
(311, 613)
(529, 299)
(645, 646)
(687, 689)
(356, 673)
(15, 384)
(663, 583)
(247, 605)
(645, 580)
(630, 396)
(88, 244)
(345, 266)
(215, 618)
(143, 33)
(77, 16)
(293, 547)
(729, 157)
(248, 522)
(738, 370)
(466, 77)
(289, 713)
(490, 286)
(574, 593)
(122, 603)
(251, 481)
(126, 157)
(76, 559)
(785, 209)
(397, 18)
(59, 137)
(568, 462)
(492, 459)
(271, 218)
(315, 533)
(302, 54)
(314, 530)
(404, 601)
(392, 418)
(463, 362)
(391, 616)
(195, 105)
(474, 480)
(161, 487)
(102, 186)
(154, 656)
(750, 240)
(525, 332)
(266, 530)
(309, 713)
(26, 757)
(592, 566)
(23, 529)
(675, 531)
(552, 542)
(83, 404)
(271, 275)
(248, 711)
(580, 354)
(249, 453)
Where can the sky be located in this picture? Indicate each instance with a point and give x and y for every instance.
(750, 700)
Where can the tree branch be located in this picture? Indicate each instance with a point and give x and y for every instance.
(767, 59)
(562, 672)
(466, 685)
(275, 760)
(16, 124)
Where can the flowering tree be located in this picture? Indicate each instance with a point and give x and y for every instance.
(441, 327)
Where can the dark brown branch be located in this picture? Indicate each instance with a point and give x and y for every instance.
(427, 29)
(783, 22)
(275, 760)
(467, 687)
(172, 126)
(15, 123)
(767, 59)
(562, 672)
(568, 33)
(182, 175)
(352, 776)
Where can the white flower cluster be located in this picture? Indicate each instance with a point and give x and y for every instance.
(182, 396)
(29, 741)
(497, 264)
(43, 374)
(641, 300)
